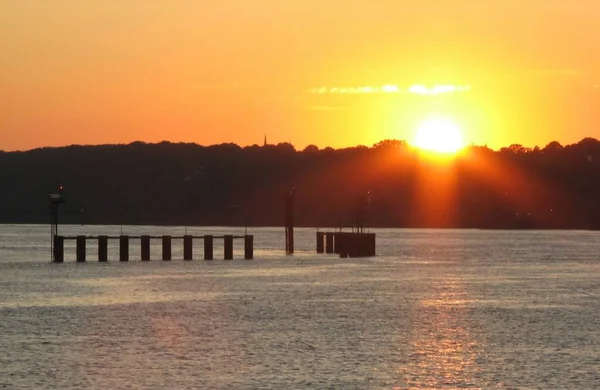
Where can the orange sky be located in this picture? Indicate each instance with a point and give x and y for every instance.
(212, 71)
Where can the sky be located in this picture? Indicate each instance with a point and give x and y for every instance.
(328, 72)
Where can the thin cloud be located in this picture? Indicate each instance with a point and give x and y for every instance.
(389, 89)
(355, 90)
(438, 89)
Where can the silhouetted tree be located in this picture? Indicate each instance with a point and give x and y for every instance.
(553, 146)
(311, 149)
(390, 144)
(286, 146)
(183, 183)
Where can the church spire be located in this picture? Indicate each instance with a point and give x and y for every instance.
(265, 143)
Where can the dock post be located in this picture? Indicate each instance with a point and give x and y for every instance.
(80, 249)
(362, 245)
(329, 242)
(208, 247)
(343, 244)
(166, 247)
(102, 248)
(145, 246)
(187, 247)
(320, 237)
(59, 249)
(371, 245)
(248, 247)
(289, 222)
(123, 248)
(228, 251)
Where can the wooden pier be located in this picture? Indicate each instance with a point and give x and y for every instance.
(347, 244)
(166, 243)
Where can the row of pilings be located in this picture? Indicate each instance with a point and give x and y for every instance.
(346, 244)
(124, 240)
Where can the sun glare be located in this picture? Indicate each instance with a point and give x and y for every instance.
(439, 135)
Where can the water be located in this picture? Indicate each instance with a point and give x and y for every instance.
(435, 309)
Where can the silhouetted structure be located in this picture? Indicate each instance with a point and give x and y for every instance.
(55, 199)
(320, 238)
(347, 244)
(289, 222)
(166, 241)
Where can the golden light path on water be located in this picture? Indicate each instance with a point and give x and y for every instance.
(443, 351)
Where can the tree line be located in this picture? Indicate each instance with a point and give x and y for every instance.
(188, 184)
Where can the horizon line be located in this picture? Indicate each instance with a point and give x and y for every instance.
(404, 142)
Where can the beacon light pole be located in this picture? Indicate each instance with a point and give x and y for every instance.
(55, 199)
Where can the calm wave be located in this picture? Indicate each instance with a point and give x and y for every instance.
(435, 309)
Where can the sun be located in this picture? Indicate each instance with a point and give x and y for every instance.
(441, 135)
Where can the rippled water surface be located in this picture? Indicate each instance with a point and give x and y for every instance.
(434, 309)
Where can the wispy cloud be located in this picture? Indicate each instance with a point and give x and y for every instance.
(366, 89)
(389, 89)
(438, 89)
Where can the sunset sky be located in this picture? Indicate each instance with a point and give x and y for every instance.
(329, 72)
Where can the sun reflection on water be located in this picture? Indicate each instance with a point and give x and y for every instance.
(443, 351)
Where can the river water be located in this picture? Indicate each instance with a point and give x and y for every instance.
(434, 309)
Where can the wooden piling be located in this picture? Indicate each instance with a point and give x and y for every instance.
(123, 248)
(320, 238)
(102, 248)
(145, 248)
(59, 249)
(338, 242)
(166, 247)
(80, 249)
(208, 247)
(360, 245)
(248, 247)
(361, 248)
(187, 247)
(329, 242)
(370, 244)
(343, 243)
(289, 222)
(228, 250)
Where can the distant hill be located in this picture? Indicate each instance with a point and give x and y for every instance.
(189, 184)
